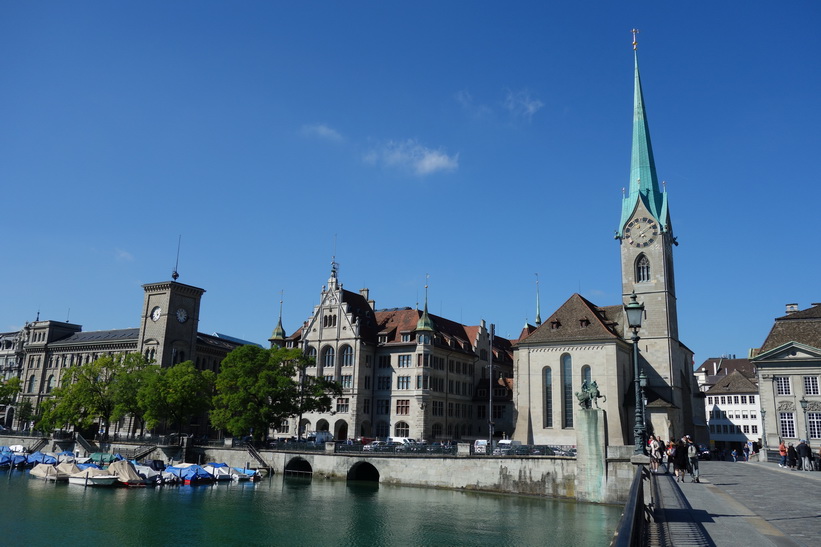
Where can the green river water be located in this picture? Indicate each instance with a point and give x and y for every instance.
(285, 511)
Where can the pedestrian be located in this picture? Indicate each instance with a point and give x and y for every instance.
(803, 451)
(792, 456)
(734, 454)
(782, 451)
(692, 455)
(671, 457)
(655, 454)
(746, 451)
(681, 460)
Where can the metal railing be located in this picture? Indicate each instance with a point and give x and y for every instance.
(631, 531)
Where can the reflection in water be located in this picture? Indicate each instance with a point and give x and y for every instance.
(291, 511)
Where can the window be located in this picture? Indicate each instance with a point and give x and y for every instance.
(744, 416)
(755, 430)
(403, 382)
(383, 429)
(329, 377)
(403, 407)
(709, 400)
(567, 391)
(810, 385)
(383, 382)
(450, 410)
(436, 430)
(498, 412)
(404, 361)
(782, 386)
(787, 423)
(814, 423)
(383, 406)
(481, 411)
(347, 381)
(753, 415)
(402, 429)
(735, 399)
(367, 381)
(752, 399)
(384, 361)
(586, 373)
(328, 357)
(284, 427)
(746, 429)
(642, 269)
(32, 379)
(366, 406)
(342, 405)
(424, 338)
(438, 408)
(347, 356)
(723, 400)
(548, 397)
(406, 337)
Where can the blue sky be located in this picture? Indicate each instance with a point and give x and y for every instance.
(478, 142)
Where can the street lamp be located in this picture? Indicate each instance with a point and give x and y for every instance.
(763, 428)
(804, 402)
(635, 313)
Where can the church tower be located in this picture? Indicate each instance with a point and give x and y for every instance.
(169, 321)
(646, 238)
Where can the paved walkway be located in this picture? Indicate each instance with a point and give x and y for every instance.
(752, 504)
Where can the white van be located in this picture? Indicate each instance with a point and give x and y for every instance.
(506, 446)
(480, 446)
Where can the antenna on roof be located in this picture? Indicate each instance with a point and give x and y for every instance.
(175, 274)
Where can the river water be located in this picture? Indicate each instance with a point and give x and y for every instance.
(286, 511)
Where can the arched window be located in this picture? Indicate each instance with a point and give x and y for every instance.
(311, 354)
(328, 357)
(567, 391)
(642, 269)
(402, 429)
(586, 374)
(32, 379)
(548, 397)
(50, 384)
(347, 356)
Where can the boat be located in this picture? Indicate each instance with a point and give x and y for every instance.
(39, 457)
(251, 474)
(47, 472)
(126, 473)
(92, 476)
(190, 474)
(223, 472)
(149, 475)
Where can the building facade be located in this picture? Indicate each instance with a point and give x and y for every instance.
(789, 372)
(403, 372)
(582, 341)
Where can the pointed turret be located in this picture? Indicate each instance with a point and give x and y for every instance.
(277, 339)
(643, 179)
(538, 305)
(425, 322)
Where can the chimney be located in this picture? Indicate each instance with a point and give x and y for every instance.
(792, 308)
(364, 293)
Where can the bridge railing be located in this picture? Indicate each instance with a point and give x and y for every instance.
(632, 528)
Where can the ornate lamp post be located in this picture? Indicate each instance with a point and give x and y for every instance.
(804, 402)
(635, 313)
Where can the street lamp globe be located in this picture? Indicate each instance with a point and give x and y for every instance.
(635, 312)
(804, 402)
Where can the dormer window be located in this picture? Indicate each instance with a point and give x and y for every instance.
(383, 338)
(406, 337)
(584, 323)
(555, 324)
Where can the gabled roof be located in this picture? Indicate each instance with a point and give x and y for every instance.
(100, 336)
(735, 382)
(802, 326)
(576, 320)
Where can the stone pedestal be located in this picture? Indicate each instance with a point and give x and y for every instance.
(591, 455)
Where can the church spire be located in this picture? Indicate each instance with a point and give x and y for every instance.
(643, 180)
(278, 337)
(425, 322)
(538, 305)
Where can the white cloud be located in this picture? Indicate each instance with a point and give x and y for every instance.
(322, 131)
(413, 156)
(123, 256)
(465, 100)
(521, 105)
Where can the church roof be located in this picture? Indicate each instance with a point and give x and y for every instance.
(802, 326)
(643, 185)
(578, 319)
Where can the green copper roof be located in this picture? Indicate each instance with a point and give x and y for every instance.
(279, 332)
(643, 180)
(425, 322)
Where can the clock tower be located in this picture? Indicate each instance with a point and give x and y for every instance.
(646, 239)
(168, 326)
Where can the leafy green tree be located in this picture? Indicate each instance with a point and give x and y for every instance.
(257, 388)
(176, 394)
(9, 390)
(25, 412)
(135, 372)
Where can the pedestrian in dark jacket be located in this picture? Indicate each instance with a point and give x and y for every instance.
(681, 460)
(804, 452)
(792, 456)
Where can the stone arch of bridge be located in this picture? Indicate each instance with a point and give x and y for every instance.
(363, 471)
(299, 466)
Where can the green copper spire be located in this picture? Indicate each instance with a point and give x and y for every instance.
(278, 336)
(643, 180)
(538, 306)
(425, 323)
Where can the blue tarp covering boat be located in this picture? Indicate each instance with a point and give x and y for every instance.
(190, 474)
(39, 457)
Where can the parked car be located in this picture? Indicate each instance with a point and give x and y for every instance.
(375, 446)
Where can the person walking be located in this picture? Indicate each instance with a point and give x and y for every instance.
(803, 451)
(655, 454)
(671, 457)
(692, 455)
(680, 458)
(782, 451)
(792, 456)
(734, 454)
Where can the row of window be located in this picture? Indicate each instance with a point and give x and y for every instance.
(566, 391)
(731, 399)
(728, 429)
(783, 385)
(329, 356)
(786, 423)
(739, 415)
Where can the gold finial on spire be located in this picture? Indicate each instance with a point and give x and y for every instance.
(635, 43)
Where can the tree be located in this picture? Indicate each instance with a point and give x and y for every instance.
(256, 389)
(135, 372)
(90, 391)
(176, 394)
(9, 390)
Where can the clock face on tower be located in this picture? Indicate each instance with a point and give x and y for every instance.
(182, 315)
(641, 232)
(156, 313)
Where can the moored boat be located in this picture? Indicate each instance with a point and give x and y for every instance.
(93, 477)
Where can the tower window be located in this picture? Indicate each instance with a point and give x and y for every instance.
(642, 269)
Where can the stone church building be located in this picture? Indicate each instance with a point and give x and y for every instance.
(582, 341)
